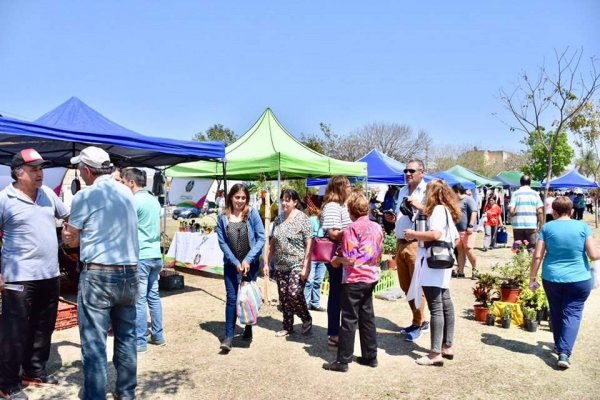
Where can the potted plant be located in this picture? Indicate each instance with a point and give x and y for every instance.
(389, 250)
(483, 292)
(491, 317)
(513, 275)
(506, 316)
(531, 323)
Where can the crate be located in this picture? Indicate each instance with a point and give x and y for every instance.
(387, 280)
(170, 280)
(66, 316)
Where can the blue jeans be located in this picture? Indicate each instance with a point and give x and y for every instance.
(108, 299)
(312, 290)
(334, 301)
(148, 287)
(566, 306)
(232, 281)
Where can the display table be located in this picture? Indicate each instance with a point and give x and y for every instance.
(517, 313)
(196, 251)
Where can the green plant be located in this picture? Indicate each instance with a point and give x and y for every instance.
(389, 244)
(486, 287)
(491, 308)
(507, 312)
(515, 272)
(529, 313)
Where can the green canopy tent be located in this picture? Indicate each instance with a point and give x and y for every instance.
(478, 180)
(269, 151)
(512, 179)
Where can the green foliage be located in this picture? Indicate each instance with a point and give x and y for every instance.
(507, 312)
(486, 288)
(389, 244)
(216, 132)
(515, 272)
(586, 127)
(529, 313)
(537, 152)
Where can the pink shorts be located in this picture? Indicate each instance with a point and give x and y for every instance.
(467, 240)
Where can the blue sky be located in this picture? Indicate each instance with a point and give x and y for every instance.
(174, 68)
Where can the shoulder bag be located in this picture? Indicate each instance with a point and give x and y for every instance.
(440, 253)
(323, 249)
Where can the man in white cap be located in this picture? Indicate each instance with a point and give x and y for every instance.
(104, 224)
(29, 258)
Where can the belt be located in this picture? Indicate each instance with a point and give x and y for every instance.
(405, 241)
(105, 267)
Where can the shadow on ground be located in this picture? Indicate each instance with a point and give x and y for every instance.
(543, 350)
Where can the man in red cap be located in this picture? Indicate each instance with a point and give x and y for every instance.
(30, 263)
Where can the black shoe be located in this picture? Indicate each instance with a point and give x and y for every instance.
(336, 366)
(42, 380)
(14, 394)
(247, 333)
(319, 308)
(369, 362)
(226, 344)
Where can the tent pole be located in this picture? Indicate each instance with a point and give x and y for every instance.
(596, 209)
(225, 179)
(164, 227)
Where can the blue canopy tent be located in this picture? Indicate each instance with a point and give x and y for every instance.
(572, 179)
(452, 180)
(73, 125)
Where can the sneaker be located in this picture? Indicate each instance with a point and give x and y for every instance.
(563, 361)
(157, 342)
(412, 336)
(14, 394)
(42, 380)
(318, 308)
(336, 366)
(227, 344)
(142, 349)
(369, 362)
(425, 326)
(409, 329)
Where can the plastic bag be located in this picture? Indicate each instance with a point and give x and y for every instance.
(595, 274)
(249, 302)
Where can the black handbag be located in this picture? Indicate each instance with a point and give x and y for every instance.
(440, 253)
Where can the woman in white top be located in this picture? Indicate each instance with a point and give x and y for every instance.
(443, 209)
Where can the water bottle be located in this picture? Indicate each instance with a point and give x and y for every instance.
(421, 226)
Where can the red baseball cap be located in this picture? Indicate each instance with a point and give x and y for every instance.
(28, 157)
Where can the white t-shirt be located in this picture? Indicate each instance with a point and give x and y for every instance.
(402, 221)
(437, 222)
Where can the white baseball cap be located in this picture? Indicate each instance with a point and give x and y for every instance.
(92, 156)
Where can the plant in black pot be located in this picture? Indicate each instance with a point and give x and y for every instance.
(491, 317)
(506, 316)
(531, 323)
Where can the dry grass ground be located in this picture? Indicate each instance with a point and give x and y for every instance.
(490, 362)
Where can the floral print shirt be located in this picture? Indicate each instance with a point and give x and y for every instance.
(290, 240)
(362, 243)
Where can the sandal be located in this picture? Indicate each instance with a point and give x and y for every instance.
(454, 274)
(282, 333)
(306, 327)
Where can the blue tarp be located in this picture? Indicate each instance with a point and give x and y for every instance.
(572, 179)
(72, 126)
(452, 180)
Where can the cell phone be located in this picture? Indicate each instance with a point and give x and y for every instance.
(534, 286)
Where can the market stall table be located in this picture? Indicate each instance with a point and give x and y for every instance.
(195, 250)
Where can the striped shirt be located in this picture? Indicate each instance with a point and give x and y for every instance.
(525, 201)
(335, 216)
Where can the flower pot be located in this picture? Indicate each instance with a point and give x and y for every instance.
(540, 316)
(490, 320)
(532, 325)
(550, 324)
(481, 312)
(392, 264)
(506, 323)
(510, 295)
(384, 265)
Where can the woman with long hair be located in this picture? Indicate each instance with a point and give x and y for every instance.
(290, 247)
(241, 238)
(334, 220)
(443, 210)
(565, 245)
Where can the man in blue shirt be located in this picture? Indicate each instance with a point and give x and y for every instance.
(28, 212)
(104, 223)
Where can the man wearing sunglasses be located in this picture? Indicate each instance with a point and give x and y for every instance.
(406, 250)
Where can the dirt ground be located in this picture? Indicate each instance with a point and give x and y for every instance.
(490, 362)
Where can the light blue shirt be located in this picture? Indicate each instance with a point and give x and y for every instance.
(566, 259)
(106, 215)
(29, 241)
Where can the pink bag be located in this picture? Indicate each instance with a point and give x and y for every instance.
(323, 250)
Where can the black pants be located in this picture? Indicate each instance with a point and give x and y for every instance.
(357, 310)
(26, 327)
(578, 214)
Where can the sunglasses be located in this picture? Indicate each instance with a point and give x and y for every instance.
(411, 171)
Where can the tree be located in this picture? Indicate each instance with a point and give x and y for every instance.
(216, 132)
(586, 127)
(553, 97)
(537, 167)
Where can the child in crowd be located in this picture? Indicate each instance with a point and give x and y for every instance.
(361, 248)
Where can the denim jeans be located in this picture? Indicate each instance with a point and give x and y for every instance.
(334, 301)
(566, 302)
(442, 317)
(232, 281)
(148, 287)
(312, 290)
(108, 299)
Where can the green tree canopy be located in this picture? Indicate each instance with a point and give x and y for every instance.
(217, 132)
(562, 155)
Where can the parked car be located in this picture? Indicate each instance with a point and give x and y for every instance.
(186, 212)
